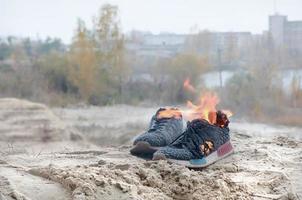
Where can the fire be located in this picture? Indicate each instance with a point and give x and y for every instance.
(206, 108)
(228, 113)
(187, 85)
(169, 113)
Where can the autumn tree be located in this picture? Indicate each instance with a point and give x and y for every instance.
(110, 48)
(5, 49)
(82, 62)
(53, 66)
(257, 91)
(263, 64)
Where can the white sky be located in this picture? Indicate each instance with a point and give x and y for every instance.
(57, 18)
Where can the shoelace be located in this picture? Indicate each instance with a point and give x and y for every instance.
(158, 125)
(190, 139)
(184, 133)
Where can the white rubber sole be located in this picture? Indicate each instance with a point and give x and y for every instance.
(224, 151)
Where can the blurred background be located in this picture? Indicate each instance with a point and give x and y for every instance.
(155, 53)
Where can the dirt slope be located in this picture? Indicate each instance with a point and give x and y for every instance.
(262, 167)
(22, 120)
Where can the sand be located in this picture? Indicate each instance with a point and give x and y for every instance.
(86, 156)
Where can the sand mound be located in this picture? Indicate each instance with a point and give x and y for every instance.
(109, 124)
(262, 167)
(149, 180)
(253, 172)
(22, 120)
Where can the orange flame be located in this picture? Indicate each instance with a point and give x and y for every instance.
(228, 113)
(187, 85)
(169, 113)
(206, 108)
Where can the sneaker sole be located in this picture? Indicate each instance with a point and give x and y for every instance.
(143, 148)
(222, 152)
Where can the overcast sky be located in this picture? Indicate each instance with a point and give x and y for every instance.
(57, 18)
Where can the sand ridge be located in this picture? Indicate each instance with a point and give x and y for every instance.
(64, 168)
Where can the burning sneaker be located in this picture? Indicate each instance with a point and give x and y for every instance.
(165, 126)
(200, 145)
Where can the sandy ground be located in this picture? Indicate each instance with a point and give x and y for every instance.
(83, 153)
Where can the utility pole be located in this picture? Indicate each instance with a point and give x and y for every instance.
(219, 67)
(275, 7)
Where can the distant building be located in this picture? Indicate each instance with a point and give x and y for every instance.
(283, 32)
(286, 33)
(169, 44)
(156, 45)
(223, 39)
(165, 39)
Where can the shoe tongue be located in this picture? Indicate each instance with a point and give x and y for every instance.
(168, 113)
